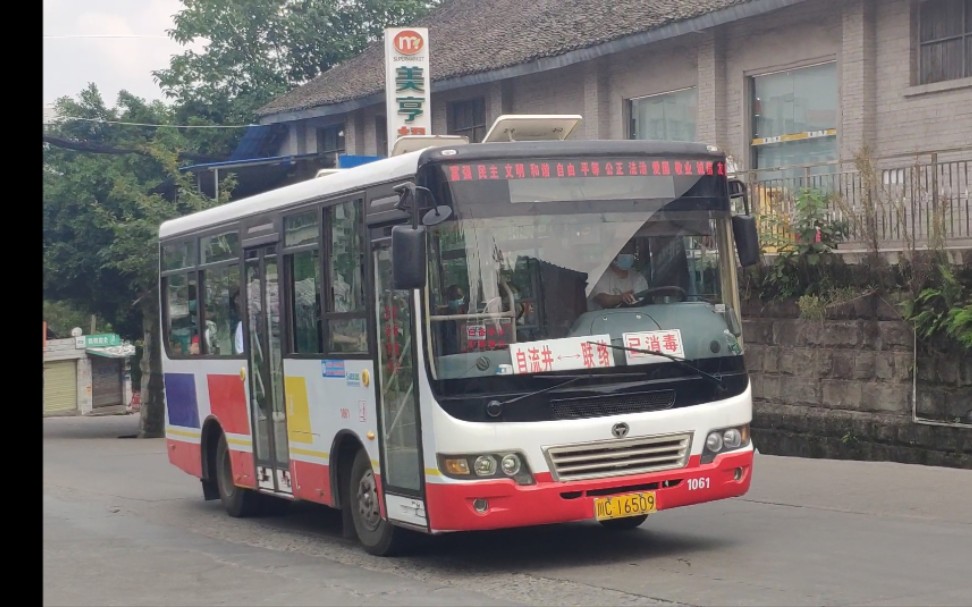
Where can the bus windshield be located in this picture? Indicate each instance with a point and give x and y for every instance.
(528, 279)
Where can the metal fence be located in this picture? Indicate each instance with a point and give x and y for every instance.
(914, 201)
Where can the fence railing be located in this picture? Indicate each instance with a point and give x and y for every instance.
(917, 201)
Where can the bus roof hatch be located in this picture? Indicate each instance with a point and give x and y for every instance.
(413, 143)
(532, 127)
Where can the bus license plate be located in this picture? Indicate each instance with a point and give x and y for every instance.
(620, 506)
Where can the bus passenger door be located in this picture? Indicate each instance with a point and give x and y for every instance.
(263, 350)
(402, 478)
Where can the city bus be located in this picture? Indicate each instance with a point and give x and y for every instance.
(466, 337)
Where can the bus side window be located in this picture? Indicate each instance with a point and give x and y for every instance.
(346, 333)
(219, 325)
(182, 305)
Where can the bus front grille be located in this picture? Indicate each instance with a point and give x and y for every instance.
(600, 406)
(617, 457)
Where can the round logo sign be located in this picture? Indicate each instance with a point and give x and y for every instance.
(408, 42)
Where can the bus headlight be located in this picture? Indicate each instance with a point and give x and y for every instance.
(510, 464)
(732, 438)
(487, 465)
(723, 440)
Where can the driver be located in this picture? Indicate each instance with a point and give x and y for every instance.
(619, 282)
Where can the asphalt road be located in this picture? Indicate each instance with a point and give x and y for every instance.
(121, 526)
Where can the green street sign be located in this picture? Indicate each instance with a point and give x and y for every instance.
(102, 340)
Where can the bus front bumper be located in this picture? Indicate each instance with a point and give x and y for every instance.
(453, 506)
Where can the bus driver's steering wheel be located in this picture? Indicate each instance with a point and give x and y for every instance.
(648, 295)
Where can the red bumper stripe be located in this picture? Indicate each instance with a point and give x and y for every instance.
(450, 506)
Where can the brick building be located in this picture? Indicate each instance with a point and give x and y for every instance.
(791, 89)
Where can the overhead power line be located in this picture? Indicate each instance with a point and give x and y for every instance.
(74, 36)
(161, 126)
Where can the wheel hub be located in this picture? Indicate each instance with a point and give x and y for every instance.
(368, 501)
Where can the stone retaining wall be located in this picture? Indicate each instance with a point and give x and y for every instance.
(843, 387)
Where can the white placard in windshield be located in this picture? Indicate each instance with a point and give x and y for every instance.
(668, 341)
(562, 354)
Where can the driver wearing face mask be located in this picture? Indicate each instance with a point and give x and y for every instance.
(619, 283)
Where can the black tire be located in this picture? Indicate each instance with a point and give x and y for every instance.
(622, 524)
(377, 535)
(238, 501)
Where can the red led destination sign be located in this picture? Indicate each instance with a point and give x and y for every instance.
(488, 171)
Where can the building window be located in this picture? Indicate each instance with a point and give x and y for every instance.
(794, 120)
(468, 118)
(944, 40)
(667, 116)
(330, 143)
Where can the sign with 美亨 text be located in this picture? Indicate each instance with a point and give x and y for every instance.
(407, 84)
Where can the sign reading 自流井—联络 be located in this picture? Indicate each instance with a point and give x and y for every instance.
(407, 84)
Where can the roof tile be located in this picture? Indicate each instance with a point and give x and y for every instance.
(477, 36)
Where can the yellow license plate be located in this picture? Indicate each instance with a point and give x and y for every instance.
(620, 506)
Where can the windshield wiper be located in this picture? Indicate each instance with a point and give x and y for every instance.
(543, 390)
(714, 378)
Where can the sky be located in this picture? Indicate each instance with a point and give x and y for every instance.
(116, 44)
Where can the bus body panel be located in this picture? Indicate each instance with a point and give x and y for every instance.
(324, 398)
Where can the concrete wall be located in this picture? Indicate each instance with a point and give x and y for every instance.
(912, 118)
(842, 388)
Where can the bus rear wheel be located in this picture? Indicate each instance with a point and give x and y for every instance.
(237, 501)
(628, 522)
(377, 535)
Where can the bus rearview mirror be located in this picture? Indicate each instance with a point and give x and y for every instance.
(747, 239)
(408, 257)
(737, 191)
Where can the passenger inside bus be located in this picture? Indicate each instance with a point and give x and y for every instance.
(183, 313)
(236, 307)
(454, 302)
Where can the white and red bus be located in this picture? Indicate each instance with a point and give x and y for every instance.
(466, 337)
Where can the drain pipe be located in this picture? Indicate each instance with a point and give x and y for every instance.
(914, 395)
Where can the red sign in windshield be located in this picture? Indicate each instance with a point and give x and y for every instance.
(487, 171)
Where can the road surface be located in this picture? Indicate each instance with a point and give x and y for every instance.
(124, 527)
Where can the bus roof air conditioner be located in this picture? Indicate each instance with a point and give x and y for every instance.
(532, 127)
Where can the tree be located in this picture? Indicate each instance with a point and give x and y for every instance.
(104, 196)
(256, 50)
(111, 175)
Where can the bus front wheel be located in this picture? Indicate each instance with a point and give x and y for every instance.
(238, 501)
(628, 522)
(377, 535)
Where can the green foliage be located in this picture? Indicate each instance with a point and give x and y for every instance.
(805, 263)
(814, 307)
(101, 211)
(943, 309)
(257, 50)
(63, 316)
